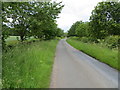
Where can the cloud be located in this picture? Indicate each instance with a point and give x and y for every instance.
(75, 10)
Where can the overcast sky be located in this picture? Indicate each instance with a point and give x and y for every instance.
(75, 10)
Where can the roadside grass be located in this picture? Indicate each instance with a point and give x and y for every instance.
(102, 54)
(29, 65)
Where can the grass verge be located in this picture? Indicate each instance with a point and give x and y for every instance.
(102, 54)
(29, 65)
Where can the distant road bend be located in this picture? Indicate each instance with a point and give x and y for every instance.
(74, 69)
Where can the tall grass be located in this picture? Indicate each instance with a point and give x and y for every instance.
(29, 65)
(102, 54)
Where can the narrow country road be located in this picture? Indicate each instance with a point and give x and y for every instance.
(74, 69)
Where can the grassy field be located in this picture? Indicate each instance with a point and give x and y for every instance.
(102, 54)
(12, 40)
(29, 65)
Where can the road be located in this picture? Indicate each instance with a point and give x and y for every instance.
(74, 69)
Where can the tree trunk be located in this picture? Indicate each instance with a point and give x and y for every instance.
(22, 38)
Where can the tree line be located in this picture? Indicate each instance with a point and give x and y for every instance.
(26, 19)
(104, 22)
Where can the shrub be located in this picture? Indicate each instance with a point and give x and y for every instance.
(112, 41)
(85, 39)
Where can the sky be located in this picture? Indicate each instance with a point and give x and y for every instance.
(75, 10)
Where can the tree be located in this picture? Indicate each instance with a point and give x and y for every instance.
(32, 18)
(59, 32)
(18, 16)
(43, 23)
(82, 29)
(5, 22)
(105, 19)
(72, 31)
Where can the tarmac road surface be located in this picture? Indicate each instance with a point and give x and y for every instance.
(74, 69)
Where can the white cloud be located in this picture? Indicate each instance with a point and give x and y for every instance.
(75, 10)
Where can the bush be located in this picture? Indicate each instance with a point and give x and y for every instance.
(74, 38)
(85, 39)
(112, 41)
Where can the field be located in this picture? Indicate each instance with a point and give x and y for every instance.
(102, 54)
(12, 40)
(29, 65)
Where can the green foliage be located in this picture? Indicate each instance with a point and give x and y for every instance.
(105, 19)
(18, 17)
(29, 65)
(112, 41)
(102, 54)
(109, 41)
(72, 31)
(84, 39)
(43, 23)
(59, 32)
(103, 27)
(36, 19)
(5, 34)
(82, 29)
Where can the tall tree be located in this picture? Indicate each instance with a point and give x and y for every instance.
(105, 19)
(82, 29)
(59, 32)
(44, 19)
(18, 17)
(32, 18)
(72, 30)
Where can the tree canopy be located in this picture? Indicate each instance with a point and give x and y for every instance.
(82, 29)
(26, 19)
(72, 30)
(105, 19)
